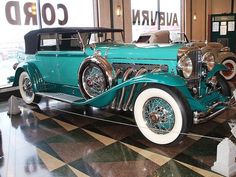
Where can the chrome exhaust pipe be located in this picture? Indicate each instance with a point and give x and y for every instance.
(125, 77)
(113, 104)
(155, 70)
(140, 71)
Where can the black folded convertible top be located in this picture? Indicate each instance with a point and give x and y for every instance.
(32, 37)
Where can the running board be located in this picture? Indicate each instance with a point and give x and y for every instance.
(61, 97)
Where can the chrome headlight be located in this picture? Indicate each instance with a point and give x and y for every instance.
(209, 59)
(186, 66)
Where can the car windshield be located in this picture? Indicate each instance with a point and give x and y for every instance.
(106, 37)
(162, 36)
(177, 37)
(143, 39)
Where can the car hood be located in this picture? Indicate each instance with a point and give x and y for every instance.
(139, 51)
(214, 47)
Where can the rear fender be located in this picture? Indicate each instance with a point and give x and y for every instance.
(225, 55)
(33, 72)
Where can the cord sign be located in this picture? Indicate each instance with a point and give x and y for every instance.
(28, 15)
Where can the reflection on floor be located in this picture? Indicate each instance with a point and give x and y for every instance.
(55, 139)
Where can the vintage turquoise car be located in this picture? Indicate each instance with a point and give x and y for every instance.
(168, 87)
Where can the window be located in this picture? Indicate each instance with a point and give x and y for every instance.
(70, 42)
(23, 16)
(155, 15)
(48, 42)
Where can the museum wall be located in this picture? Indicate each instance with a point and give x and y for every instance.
(104, 13)
(234, 6)
(123, 21)
(197, 16)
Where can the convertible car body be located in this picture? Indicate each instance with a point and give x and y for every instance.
(168, 87)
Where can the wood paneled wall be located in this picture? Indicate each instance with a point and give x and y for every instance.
(198, 29)
(108, 17)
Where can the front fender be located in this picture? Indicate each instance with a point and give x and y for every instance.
(33, 72)
(224, 55)
(217, 68)
(156, 78)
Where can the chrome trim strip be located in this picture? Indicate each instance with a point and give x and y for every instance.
(201, 117)
(155, 70)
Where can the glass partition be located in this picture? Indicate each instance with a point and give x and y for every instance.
(19, 17)
(154, 15)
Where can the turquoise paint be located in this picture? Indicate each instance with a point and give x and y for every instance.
(151, 54)
(217, 68)
(203, 88)
(57, 71)
(137, 51)
(204, 102)
(61, 67)
(34, 74)
(158, 78)
(193, 102)
(210, 99)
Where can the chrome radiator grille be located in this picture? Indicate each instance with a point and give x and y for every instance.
(195, 56)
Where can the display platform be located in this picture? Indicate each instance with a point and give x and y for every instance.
(56, 139)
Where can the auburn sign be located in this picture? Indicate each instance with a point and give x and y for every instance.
(151, 18)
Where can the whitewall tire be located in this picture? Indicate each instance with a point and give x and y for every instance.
(231, 65)
(161, 114)
(26, 90)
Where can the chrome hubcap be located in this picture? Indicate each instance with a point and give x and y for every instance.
(230, 70)
(27, 87)
(158, 115)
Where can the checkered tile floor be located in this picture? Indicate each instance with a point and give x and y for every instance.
(55, 139)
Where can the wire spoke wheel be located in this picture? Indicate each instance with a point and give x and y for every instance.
(162, 114)
(93, 80)
(159, 115)
(26, 89)
(95, 76)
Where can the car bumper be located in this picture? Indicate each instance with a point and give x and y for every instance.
(214, 110)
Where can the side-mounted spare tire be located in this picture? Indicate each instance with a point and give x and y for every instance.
(230, 63)
(95, 76)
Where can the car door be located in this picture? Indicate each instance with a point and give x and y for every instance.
(47, 58)
(70, 56)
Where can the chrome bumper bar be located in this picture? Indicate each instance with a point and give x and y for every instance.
(201, 117)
